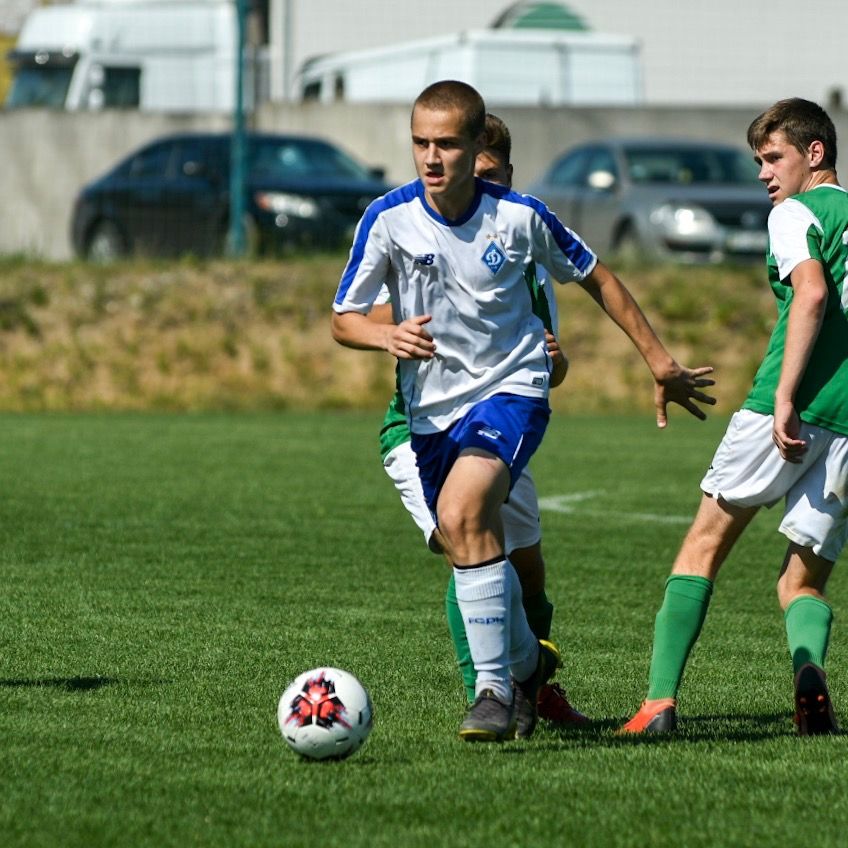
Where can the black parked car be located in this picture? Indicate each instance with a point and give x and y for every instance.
(173, 197)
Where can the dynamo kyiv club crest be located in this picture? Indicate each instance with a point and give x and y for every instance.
(494, 257)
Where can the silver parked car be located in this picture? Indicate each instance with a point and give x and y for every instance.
(681, 200)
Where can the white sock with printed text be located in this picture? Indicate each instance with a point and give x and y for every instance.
(484, 596)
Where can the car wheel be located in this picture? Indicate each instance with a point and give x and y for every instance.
(105, 244)
(628, 247)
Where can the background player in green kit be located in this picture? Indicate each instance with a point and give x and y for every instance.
(790, 440)
(521, 513)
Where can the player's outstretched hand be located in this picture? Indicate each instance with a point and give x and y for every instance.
(787, 428)
(409, 339)
(683, 386)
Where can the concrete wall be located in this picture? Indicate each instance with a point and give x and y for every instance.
(46, 156)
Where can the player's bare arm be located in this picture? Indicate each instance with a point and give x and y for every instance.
(381, 313)
(806, 313)
(407, 340)
(673, 383)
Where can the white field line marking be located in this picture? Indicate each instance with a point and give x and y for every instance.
(563, 503)
(568, 505)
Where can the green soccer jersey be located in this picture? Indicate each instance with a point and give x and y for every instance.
(395, 429)
(811, 225)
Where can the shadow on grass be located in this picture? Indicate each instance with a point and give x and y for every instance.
(69, 684)
(735, 727)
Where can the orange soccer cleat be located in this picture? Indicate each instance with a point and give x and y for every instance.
(658, 716)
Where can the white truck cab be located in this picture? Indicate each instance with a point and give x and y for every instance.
(153, 55)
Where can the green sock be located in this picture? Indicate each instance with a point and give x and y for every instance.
(808, 621)
(677, 626)
(540, 613)
(460, 641)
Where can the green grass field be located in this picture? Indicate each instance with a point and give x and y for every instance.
(164, 577)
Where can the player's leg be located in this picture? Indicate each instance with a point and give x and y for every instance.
(815, 523)
(467, 473)
(747, 472)
(522, 541)
(808, 618)
(715, 530)
(679, 620)
(522, 535)
(486, 586)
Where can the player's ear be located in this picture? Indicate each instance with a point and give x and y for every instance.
(815, 153)
(508, 170)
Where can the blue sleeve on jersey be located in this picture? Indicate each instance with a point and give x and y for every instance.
(578, 253)
(398, 196)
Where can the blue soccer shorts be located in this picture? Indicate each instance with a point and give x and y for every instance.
(509, 426)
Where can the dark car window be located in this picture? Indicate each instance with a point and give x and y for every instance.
(287, 159)
(201, 157)
(684, 166)
(153, 163)
(121, 87)
(40, 86)
(571, 170)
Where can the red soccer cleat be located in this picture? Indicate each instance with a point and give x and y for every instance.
(658, 716)
(553, 706)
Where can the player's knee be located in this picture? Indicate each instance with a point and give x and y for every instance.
(455, 523)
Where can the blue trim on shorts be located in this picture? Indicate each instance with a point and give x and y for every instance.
(509, 426)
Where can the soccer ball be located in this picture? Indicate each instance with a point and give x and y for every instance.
(325, 714)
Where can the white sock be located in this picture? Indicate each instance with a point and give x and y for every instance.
(485, 601)
(523, 644)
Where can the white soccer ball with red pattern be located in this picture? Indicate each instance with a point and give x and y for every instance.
(325, 713)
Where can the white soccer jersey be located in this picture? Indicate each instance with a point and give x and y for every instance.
(469, 276)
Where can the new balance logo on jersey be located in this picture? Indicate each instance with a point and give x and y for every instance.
(494, 257)
(489, 433)
(424, 259)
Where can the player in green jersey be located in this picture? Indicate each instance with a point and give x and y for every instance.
(790, 439)
(521, 513)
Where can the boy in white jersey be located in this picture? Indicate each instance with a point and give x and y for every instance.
(520, 515)
(453, 251)
(790, 440)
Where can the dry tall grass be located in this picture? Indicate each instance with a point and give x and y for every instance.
(232, 335)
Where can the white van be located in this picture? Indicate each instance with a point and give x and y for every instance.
(510, 67)
(154, 55)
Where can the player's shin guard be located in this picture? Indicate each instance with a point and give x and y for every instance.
(677, 627)
(484, 598)
(808, 620)
(460, 640)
